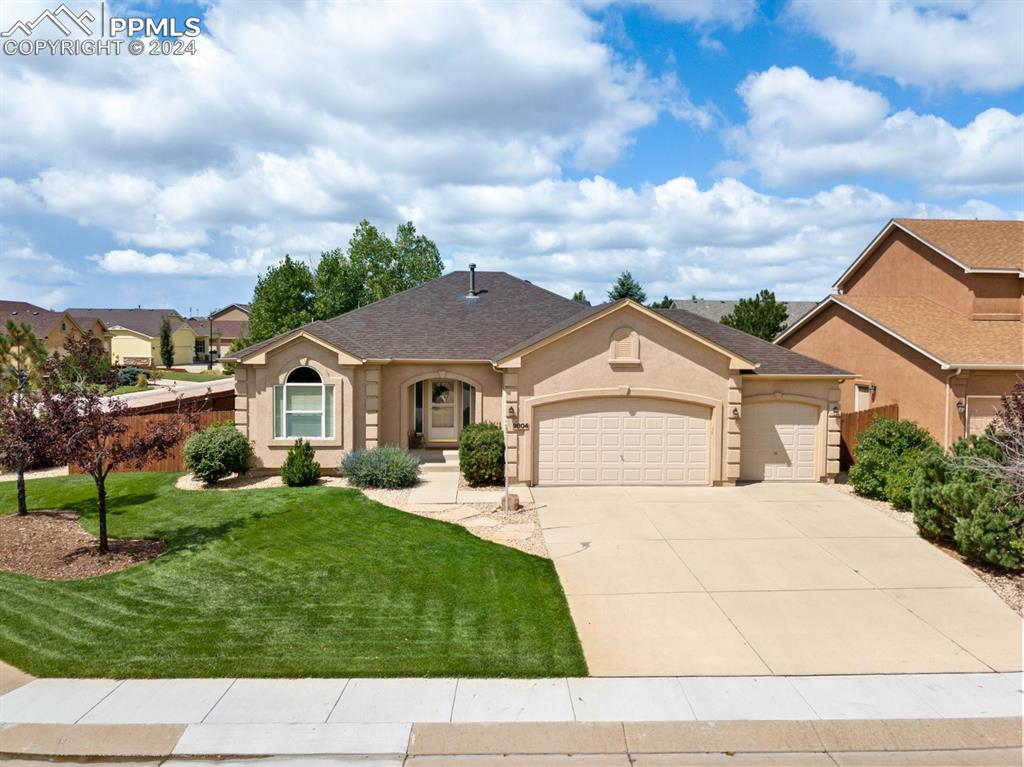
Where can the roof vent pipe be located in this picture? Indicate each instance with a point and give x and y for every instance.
(472, 279)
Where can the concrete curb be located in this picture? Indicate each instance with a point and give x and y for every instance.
(999, 737)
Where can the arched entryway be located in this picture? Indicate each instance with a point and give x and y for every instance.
(436, 408)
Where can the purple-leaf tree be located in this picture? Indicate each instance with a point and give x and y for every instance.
(24, 436)
(95, 435)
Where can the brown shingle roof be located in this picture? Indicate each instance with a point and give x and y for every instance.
(770, 359)
(226, 328)
(975, 244)
(438, 321)
(42, 321)
(145, 321)
(942, 333)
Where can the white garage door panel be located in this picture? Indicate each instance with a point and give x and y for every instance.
(620, 441)
(778, 441)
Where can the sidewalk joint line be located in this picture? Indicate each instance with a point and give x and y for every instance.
(93, 706)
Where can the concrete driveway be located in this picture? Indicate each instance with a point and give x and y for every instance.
(764, 579)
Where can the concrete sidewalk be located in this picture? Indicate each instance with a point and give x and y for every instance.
(255, 717)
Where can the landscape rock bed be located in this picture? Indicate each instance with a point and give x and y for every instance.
(53, 546)
(1008, 586)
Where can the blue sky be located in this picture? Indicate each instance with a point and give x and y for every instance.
(714, 148)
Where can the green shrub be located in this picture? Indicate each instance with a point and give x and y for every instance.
(128, 376)
(482, 453)
(385, 466)
(887, 454)
(217, 451)
(954, 503)
(300, 468)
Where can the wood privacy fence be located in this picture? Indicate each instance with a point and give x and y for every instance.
(174, 461)
(852, 424)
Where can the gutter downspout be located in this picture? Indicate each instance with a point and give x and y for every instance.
(949, 391)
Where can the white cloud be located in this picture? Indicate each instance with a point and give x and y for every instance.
(975, 45)
(295, 121)
(31, 274)
(801, 129)
(192, 264)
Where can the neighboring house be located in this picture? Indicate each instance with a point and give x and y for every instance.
(929, 315)
(611, 394)
(52, 328)
(135, 334)
(713, 309)
(228, 324)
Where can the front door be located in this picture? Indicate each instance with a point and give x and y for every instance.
(441, 413)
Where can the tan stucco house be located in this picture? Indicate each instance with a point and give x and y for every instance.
(52, 328)
(135, 334)
(225, 325)
(929, 315)
(611, 394)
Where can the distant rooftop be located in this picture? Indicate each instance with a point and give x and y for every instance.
(714, 309)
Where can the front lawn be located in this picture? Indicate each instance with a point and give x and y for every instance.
(283, 582)
(179, 375)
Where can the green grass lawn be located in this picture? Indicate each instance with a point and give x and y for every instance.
(179, 376)
(284, 582)
(124, 390)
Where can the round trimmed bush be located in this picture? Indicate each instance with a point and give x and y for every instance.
(888, 453)
(128, 376)
(300, 468)
(482, 454)
(384, 466)
(217, 451)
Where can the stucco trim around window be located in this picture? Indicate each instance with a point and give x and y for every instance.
(304, 407)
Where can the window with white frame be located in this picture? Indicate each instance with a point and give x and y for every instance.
(304, 406)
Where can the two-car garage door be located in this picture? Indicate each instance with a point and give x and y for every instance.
(623, 441)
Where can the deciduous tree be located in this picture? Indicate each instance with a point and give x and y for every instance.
(94, 435)
(24, 437)
(627, 287)
(664, 303)
(761, 316)
(282, 300)
(580, 297)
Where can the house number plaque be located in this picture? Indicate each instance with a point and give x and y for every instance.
(520, 425)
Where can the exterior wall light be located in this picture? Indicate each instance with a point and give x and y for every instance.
(511, 411)
(961, 406)
(835, 411)
(735, 412)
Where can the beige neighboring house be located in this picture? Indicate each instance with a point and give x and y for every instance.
(52, 328)
(135, 334)
(930, 317)
(603, 395)
(228, 325)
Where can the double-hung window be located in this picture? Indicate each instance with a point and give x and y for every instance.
(304, 406)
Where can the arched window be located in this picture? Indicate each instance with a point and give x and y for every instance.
(304, 406)
(624, 347)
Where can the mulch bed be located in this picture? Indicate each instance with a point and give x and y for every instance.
(53, 546)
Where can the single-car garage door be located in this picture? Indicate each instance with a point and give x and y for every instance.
(778, 441)
(623, 441)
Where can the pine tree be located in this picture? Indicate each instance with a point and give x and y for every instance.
(627, 287)
(166, 343)
(761, 316)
